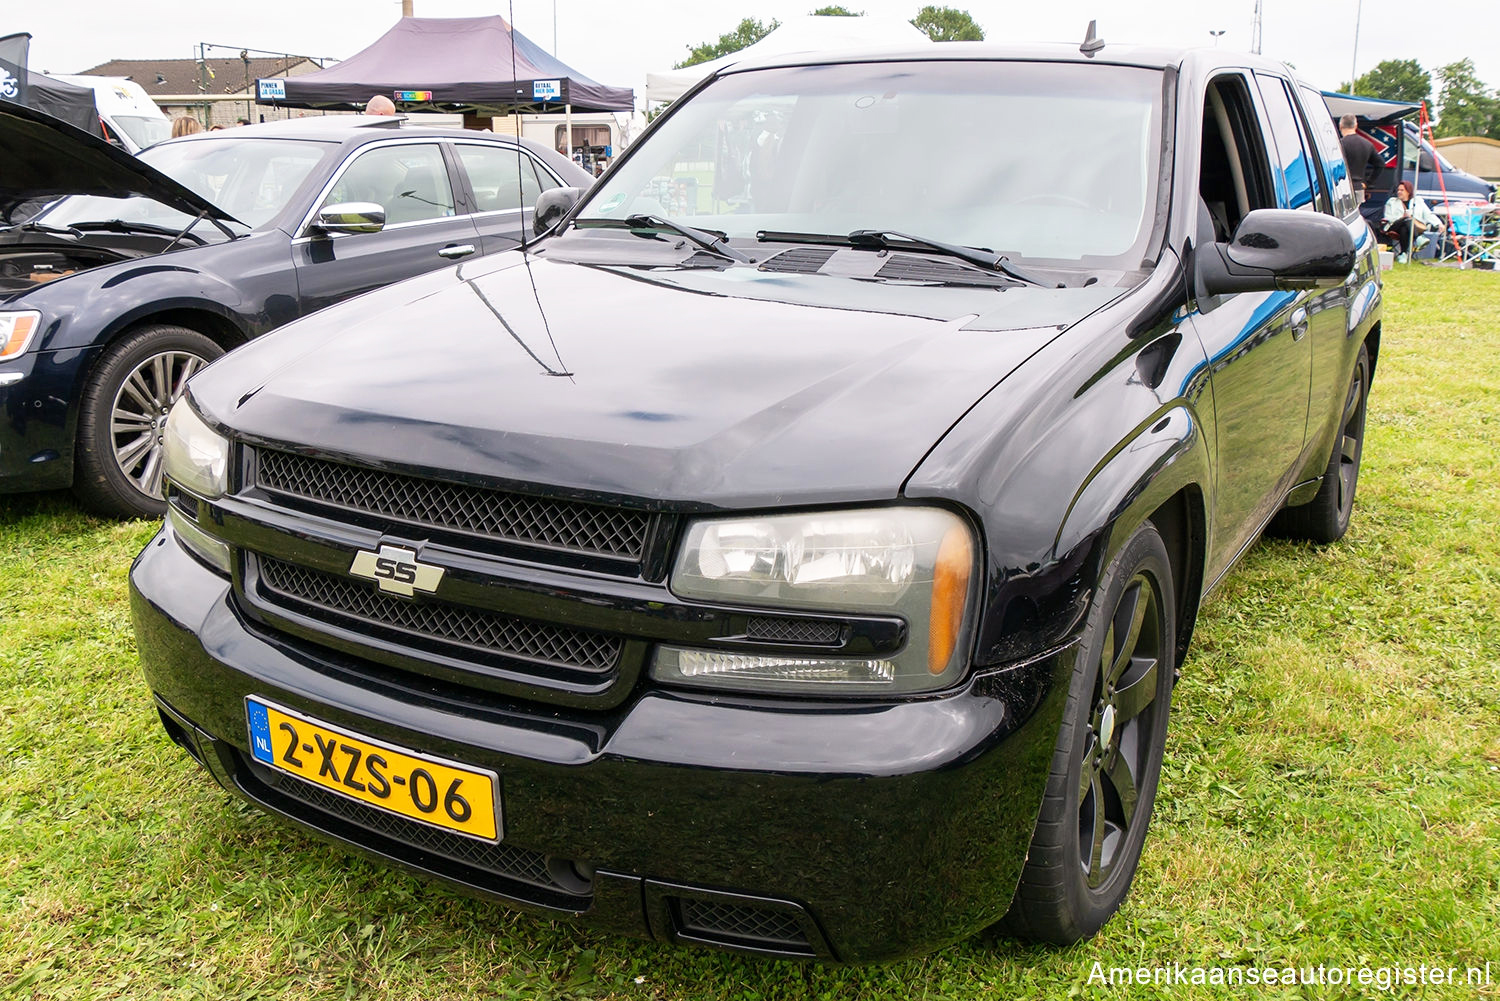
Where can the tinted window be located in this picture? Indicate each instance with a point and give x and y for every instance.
(1294, 182)
(1234, 177)
(502, 177)
(1326, 141)
(409, 181)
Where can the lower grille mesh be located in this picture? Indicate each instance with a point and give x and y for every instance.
(734, 923)
(486, 631)
(499, 859)
(767, 629)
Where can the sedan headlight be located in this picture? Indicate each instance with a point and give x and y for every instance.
(195, 457)
(16, 331)
(915, 563)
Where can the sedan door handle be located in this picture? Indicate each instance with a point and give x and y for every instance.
(456, 251)
(1299, 323)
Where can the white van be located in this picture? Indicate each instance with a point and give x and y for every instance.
(130, 117)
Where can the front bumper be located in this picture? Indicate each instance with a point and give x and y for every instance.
(847, 832)
(36, 450)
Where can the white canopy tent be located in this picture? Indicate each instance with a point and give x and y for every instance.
(808, 33)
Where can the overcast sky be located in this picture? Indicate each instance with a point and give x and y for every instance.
(618, 41)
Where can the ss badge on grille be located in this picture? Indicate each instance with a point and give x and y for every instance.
(396, 570)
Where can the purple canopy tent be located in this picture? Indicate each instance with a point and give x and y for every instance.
(477, 65)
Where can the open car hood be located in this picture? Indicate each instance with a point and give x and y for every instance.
(46, 157)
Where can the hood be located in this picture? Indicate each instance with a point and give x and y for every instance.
(683, 388)
(47, 158)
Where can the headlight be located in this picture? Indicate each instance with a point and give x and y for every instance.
(16, 330)
(194, 456)
(916, 563)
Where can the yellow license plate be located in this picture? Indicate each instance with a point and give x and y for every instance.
(418, 786)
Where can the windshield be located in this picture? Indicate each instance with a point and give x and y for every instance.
(251, 179)
(143, 131)
(1036, 160)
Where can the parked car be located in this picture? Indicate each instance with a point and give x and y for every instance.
(131, 120)
(827, 601)
(147, 267)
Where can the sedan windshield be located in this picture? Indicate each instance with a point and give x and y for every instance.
(1037, 160)
(251, 179)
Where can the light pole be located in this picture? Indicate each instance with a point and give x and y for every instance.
(1216, 35)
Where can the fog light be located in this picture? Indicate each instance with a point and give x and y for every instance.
(768, 671)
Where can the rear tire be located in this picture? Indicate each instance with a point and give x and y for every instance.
(1325, 518)
(1097, 806)
(122, 415)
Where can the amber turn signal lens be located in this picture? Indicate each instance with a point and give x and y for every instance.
(21, 325)
(950, 589)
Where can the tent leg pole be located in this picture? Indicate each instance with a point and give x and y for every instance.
(568, 122)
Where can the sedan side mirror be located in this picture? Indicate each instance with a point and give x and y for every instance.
(350, 217)
(1277, 249)
(551, 206)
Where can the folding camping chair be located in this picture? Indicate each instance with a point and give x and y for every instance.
(1473, 235)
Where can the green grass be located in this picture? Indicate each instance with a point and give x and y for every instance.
(1331, 792)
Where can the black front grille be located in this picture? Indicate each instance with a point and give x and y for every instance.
(740, 924)
(500, 859)
(769, 629)
(560, 524)
(468, 627)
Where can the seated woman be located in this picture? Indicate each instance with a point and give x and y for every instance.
(1406, 217)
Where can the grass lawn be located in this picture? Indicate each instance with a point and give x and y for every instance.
(1331, 792)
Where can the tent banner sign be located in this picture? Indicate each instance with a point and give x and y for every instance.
(546, 90)
(413, 96)
(270, 90)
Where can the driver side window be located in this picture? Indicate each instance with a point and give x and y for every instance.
(410, 182)
(1234, 174)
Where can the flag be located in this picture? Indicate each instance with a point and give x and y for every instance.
(13, 52)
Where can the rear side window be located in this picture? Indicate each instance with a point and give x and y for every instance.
(1296, 175)
(502, 177)
(1326, 142)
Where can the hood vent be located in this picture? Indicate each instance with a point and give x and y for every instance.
(800, 261)
(921, 268)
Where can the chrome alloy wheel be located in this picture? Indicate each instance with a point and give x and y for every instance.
(138, 415)
(1118, 744)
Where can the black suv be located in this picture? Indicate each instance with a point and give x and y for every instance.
(824, 598)
(147, 268)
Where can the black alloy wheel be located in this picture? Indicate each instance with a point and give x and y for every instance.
(1092, 825)
(123, 417)
(1325, 518)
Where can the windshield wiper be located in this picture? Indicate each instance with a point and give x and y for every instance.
(121, 226)
(879, 239)
(713, 242)
(41, 227)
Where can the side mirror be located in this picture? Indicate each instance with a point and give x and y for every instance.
(350, 217)
(1426, 163)
(551, 206)
(1276, 249)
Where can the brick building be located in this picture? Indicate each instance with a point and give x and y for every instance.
(172, 83)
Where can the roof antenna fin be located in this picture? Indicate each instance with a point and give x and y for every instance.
(1091, 42)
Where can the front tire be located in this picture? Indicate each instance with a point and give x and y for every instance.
(123, 413)
(1097, 806)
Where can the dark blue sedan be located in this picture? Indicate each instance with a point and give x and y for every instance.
(142, 270)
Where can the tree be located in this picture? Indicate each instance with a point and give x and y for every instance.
(1394, 80)
(836, 11)
(1466, 106)
(749, 32)
(945, 24)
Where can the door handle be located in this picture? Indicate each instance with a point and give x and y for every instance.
(455, 251)
(1299, 323)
